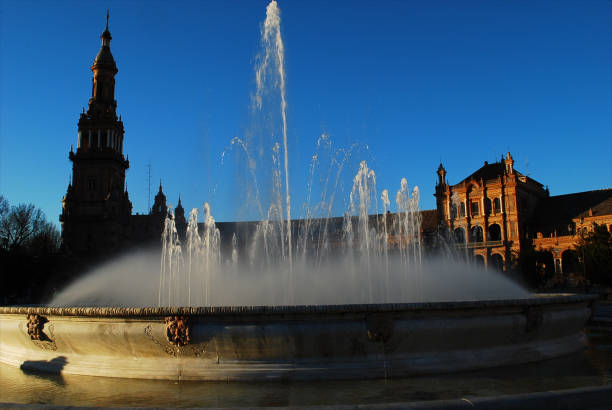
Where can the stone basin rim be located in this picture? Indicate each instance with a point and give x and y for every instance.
(534, 300)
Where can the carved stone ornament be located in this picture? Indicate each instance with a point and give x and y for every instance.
(35, 327)
(177, 330)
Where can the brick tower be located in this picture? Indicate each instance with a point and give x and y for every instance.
(96, 208)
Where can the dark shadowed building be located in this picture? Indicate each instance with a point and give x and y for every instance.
(96, 210)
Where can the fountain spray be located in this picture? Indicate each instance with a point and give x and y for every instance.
(274, 50)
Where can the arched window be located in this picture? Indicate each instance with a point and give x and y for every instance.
(496, 261)
(494, 233)
(460, 235)
(545, 263)
(569, 261)
(462, 210)
(476, 234)
(453, 210)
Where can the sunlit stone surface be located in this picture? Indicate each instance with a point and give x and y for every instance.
(293, 343)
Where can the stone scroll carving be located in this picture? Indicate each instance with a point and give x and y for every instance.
(177, 330)
(35, 326)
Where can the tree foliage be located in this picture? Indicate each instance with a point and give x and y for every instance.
(595, 251)
(29, 253)
(24, 228)
(535, 267)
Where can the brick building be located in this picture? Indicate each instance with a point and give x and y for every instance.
(496, 211)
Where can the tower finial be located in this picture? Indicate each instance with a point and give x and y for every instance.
(107, 15)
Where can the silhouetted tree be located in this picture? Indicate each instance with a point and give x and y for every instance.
(535, 267)
(595, 252)
(24, 228)
(29, 253)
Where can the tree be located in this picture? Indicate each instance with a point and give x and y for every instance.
(595, 251)
(29, 256)
(535, 267)
(24, 228)
(4, 206)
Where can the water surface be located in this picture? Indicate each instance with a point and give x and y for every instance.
(592, 367)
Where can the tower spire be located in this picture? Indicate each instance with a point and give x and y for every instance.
(104, 68)
(98, 165)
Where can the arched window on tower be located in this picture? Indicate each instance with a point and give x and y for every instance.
(487, 204)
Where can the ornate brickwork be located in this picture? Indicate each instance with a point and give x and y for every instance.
(497, 211)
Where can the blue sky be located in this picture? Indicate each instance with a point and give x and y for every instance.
(415, 82)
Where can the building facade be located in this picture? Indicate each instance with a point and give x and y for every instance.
(497, 211)
(560, 222)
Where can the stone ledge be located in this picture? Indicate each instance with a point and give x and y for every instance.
(538, 299)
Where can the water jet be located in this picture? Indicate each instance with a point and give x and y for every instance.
(352, 297)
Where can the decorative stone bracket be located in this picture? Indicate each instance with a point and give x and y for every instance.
(178, 330)
(36, 324)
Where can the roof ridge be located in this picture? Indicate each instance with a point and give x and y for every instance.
(580, 193)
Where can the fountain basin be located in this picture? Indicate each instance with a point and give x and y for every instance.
(293, 342)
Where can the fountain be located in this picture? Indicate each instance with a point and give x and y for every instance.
(296, 299)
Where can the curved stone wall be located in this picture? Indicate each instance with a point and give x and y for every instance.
(292, 342)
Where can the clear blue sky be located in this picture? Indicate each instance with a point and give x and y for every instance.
(416, 82)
